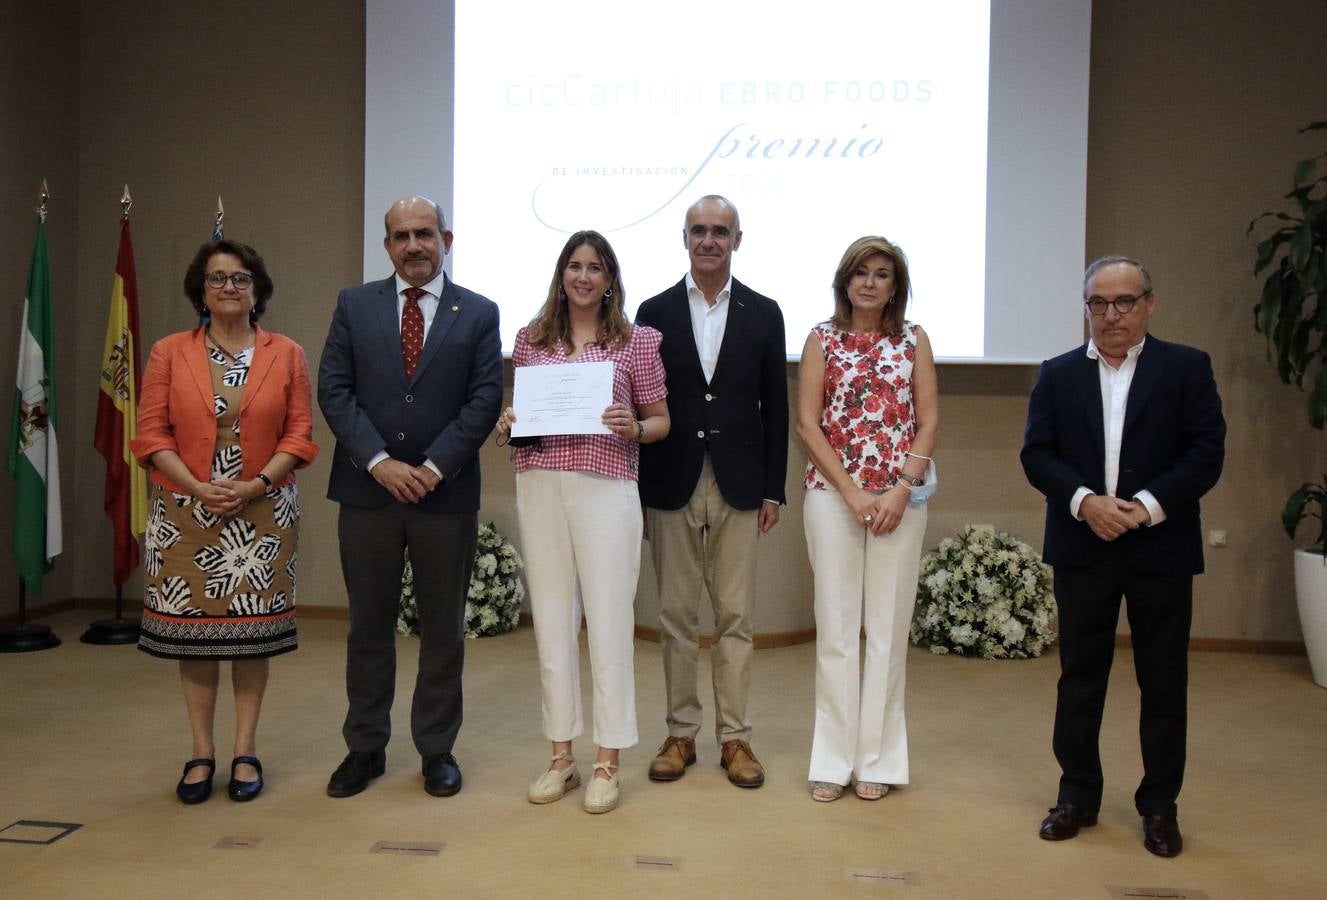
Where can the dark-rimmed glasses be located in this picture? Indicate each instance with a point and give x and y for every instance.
(217, 280)
(1123, 304)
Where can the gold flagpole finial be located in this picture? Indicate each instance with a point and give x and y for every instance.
(45, 198)
(126, 202)
(221, 211)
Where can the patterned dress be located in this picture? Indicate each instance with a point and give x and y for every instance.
(221, 588)
(868, 417)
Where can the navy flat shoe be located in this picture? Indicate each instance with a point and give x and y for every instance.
(241, 791)
(199, 791)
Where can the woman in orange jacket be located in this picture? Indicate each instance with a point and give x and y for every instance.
(224, 419)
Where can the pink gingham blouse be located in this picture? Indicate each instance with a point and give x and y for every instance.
(638, 379)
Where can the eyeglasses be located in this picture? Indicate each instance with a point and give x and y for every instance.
(217, 280)
(1123, 304)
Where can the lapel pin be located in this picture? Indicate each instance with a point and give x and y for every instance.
(455, 308)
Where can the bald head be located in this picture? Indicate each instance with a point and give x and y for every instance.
(417, 239)
(717, 203)
(413, 203)
(711, 235)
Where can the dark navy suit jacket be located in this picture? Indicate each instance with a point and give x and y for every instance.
(740, 417)
(444, 414)
(1173, 446)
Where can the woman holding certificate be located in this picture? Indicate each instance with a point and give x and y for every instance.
(580, 514)
(867, 410)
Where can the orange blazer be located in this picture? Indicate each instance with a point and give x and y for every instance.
(176, 411)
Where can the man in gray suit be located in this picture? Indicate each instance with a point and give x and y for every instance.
(411, 385)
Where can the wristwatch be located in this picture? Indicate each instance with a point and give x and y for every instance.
(911, 480)
(640, 431)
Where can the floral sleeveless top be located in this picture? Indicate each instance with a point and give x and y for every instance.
(867, 417)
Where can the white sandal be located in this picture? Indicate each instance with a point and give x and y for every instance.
(554, 784)
(603, 793)
(826, 791)
(871, 790)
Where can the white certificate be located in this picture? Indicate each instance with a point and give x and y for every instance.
(563, 399)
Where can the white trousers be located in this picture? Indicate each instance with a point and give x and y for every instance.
(580, 536)
(861, 579)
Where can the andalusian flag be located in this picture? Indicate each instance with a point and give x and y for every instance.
(33, 460)
(117, 414)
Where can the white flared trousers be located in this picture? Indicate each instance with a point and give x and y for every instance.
(861, 580)
(580, 536)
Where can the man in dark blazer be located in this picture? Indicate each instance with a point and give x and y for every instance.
(715, 483)
(1123, 437)
(411, 385)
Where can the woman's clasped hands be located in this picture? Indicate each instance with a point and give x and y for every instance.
(879, 513)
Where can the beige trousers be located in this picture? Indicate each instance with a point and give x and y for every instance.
(706, 543)
(580, 536)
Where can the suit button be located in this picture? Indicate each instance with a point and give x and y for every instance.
(709, 397)
(400, 435)
(409, 398)
(700, 434)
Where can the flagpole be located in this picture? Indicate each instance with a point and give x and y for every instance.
(24, 637)
(118, 630)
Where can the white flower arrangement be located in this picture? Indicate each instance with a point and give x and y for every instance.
(984, 593)
(493, 604)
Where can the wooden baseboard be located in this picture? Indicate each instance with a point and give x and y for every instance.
(1232, 645)
(653, 634)
(311, 611)
(10, 620)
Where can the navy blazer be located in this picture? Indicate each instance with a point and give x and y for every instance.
(741, 416)
(1173, 445)
(444, 414)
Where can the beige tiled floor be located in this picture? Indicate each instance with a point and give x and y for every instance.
(96, 735)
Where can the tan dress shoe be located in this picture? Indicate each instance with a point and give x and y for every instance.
(744, 770)
(672, 760)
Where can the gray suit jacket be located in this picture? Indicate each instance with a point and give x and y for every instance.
(444, 414)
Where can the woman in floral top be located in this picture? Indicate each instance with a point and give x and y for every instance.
(580, 516)
(868, 411)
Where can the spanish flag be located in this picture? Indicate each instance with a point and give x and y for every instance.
(117, 413)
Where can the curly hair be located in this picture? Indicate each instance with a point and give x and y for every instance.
(195, 275)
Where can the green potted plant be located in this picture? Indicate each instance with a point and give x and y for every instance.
(1292, 314)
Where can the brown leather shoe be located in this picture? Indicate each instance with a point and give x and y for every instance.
(1161, 836)
(672, 760)
(1064, 821)
(744, 770)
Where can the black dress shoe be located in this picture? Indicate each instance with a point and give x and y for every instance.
(353, 775)
(1064, 821)
(241, 791)
(442, 777)
(1161, 835)
(199, 790)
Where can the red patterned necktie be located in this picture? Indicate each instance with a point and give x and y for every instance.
(412, 330)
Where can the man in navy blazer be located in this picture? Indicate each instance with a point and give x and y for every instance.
(411, 385)
(715, 483)
(1123, 437)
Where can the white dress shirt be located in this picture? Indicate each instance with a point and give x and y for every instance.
(1114, 398)
(428, 305)
(708, 322)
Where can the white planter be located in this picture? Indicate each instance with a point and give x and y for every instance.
(1311, 594)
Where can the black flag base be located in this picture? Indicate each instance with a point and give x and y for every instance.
(26, 638)
(111, 631)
